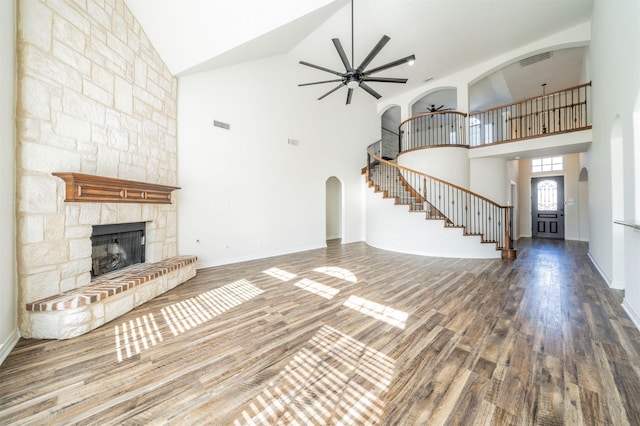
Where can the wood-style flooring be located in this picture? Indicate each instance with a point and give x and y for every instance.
(350, 335)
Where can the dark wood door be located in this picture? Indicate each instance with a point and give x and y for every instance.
(547, 207)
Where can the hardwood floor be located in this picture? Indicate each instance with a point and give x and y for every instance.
(350, 335)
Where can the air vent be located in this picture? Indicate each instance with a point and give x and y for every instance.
(535, 58)
(221, 124)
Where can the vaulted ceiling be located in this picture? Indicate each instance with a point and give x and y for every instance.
(445, 35)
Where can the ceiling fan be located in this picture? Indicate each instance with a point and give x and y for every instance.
(359, 76)
(433, 108)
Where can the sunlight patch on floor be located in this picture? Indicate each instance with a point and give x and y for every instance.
(317, 288)
(333, 379)
(280, 274)
(337, 272)
(380, 312)
(136, 335)
(184, 315)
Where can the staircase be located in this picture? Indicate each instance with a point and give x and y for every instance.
(395, 186)
(455, 208)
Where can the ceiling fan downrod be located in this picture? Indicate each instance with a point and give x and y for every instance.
(358, 77)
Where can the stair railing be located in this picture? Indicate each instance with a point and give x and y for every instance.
(433, 129)
(457, 206)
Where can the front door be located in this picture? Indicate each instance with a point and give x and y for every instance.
(547, 207)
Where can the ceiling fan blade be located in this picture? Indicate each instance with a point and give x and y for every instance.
(321, 68)
(349, 94)
(343, 56)
(319, 82)
(376, 49)
(385, 80)
(370, 90)
(330, 91)
(391, 64)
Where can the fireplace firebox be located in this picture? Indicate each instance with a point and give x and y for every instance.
(116, 246)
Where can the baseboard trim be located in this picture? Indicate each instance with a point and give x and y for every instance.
(8, 345)
(601, 272)
(635, 318)
(203, 264)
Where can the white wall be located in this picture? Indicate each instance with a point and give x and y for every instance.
(392, 227)
(450, 164)
(488, 177)
(8, 283)
(615, 67)
(246, 192)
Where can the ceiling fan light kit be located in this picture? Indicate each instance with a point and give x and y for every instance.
(358, 77)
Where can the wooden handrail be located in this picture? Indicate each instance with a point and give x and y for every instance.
(429, 113)
(398, 166)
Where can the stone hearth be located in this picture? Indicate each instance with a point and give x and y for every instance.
(78, 311)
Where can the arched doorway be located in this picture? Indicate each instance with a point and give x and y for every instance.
(583, 205)
(390, 139)
(333, 206)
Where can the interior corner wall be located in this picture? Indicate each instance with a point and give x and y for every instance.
(8, 281)
(615, 66)
(257, 189)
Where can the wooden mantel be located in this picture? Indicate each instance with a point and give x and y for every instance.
(99, 189)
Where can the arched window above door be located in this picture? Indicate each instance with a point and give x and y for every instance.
(547, 195)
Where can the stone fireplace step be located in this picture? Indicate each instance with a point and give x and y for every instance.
(77, 311)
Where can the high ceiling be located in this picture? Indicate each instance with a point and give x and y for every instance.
(445, 35)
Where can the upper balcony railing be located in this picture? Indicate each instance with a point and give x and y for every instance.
(558, 112)
(563, 111)
(433, 129)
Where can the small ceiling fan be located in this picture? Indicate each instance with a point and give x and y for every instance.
(359, 76)
(433, 108)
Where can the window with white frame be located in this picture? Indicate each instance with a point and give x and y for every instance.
(548, 164)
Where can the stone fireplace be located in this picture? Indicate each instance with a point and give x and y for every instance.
(123, 260)
(93, 97)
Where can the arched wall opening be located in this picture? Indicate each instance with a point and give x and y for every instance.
(333, 205)
(389, 122)
(616, 144)
(636, 159)
(521, 77)
(583, 205)
(442, 98)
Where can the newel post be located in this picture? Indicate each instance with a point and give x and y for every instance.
(507, 251)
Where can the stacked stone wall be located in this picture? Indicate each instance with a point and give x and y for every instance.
(94, 97)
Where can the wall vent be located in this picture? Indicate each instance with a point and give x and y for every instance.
(221, 124)
(535, 58)
(293, 142)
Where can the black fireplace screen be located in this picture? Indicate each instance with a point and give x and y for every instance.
(116, 246)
